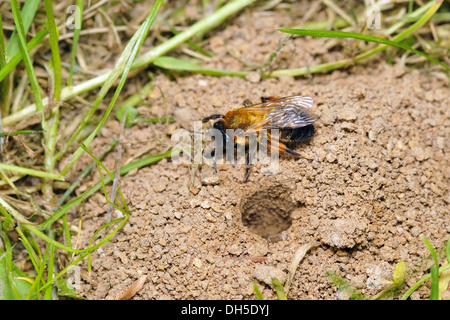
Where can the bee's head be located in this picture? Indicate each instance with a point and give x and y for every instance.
(219, 126)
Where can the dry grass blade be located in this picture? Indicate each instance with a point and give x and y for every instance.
(135, 288)
(301, 252)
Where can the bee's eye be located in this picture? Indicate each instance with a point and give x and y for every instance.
(218, 125)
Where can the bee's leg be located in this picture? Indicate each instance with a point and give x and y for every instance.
(290, 152)
(279, 147)
(265, 99)
(215, 162)
(247, 103)
(282, 148)
(247, 165)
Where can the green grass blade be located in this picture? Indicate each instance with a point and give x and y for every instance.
(67, 235)
(7, 223)
(50, 250)
(65, 289)
(72, 187)
(56, 57)
(14, 133)
(421, 281)
(32, 172)
(6, 207)
(344, 286)
(353, 35)
(131, 115)
(11, 288)
(4, 103)
(26, 57)
(76, 36)
(279, 289)
(171, 63)
(55, 90)
(434, 270)
(7, 268)
(111, 176)
(39, 265)
(28, 12)
(14, 61)
(397, 284)
(258, 293)
(31, 252)
(19, 288)
(55, 243)
(2, 45)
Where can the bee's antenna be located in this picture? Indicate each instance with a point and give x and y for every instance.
(214, 116)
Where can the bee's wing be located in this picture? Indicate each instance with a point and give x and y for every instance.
(301, 101)
(284, 113)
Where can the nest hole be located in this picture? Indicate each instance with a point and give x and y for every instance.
(267, 212)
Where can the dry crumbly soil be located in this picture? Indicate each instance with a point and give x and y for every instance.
(367, 187)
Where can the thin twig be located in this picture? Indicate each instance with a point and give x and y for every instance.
(339, 11)
(301, 252)
(118, 166)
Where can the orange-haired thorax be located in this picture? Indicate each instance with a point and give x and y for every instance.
(241, 119)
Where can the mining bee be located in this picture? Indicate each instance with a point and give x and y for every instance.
(290, 115)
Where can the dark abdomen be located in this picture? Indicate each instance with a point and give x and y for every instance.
(297, 136)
